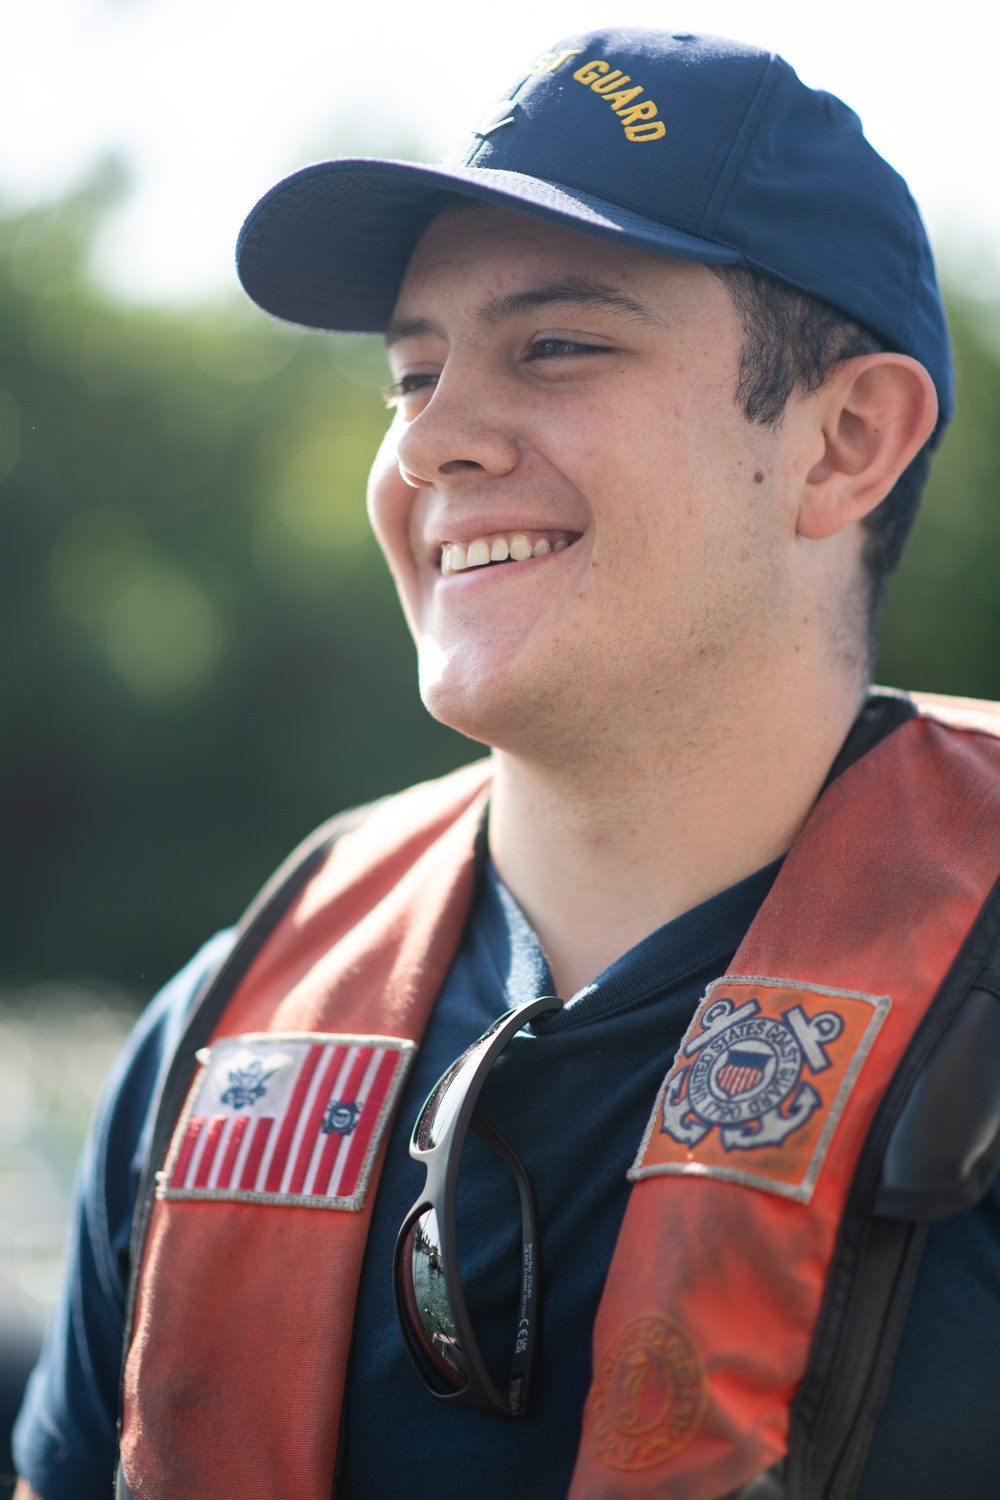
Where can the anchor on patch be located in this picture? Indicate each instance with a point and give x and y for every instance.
(746, 1075)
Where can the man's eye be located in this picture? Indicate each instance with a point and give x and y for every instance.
(559, 348)
(407, 385)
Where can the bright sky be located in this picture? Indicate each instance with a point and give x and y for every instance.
(210, 101)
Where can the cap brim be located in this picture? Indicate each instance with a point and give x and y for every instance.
(327, 247)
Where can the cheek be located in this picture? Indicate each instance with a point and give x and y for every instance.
(390, 502)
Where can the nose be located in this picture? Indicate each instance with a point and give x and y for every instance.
(461, 431)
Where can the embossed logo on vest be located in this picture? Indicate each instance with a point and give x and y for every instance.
(648, 1395)
(759, 1084)
(286, 1119)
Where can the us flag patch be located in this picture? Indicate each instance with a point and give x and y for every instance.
(286, 1118)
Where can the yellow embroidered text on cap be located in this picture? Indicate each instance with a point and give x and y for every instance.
(640, 120)
(549, 62)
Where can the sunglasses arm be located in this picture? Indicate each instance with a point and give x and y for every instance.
(520, 1369)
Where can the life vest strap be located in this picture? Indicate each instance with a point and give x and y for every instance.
(257, 924)
(919, 1163)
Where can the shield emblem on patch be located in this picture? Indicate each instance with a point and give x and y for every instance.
(742, 1071)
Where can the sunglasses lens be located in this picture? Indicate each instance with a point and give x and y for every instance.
(443, 1105)
(426, 1300)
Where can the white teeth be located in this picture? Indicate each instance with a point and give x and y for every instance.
(457, 556)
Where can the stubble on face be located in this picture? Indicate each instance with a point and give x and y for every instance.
(670, 591)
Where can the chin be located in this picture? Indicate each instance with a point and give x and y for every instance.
(500, 711)
(471, 708)
(485, 706)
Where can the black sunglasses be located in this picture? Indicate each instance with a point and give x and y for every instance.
(426, 1286)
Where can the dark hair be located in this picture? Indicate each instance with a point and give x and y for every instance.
(792, 342)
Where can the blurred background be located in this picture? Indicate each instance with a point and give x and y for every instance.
(201, 654)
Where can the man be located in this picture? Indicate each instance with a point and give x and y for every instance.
(668, 359)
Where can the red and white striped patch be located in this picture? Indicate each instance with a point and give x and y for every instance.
(286, 1118)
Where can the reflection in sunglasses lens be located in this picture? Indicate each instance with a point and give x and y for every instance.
(444, 1102)
(431, 1298)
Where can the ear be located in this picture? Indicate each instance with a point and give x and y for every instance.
(872, 417)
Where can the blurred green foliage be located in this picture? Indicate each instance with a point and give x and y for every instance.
(941, 626)
(202, 653)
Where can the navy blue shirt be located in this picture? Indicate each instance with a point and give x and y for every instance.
(572, 1095)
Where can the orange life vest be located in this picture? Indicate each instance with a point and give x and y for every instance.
(754, 1188)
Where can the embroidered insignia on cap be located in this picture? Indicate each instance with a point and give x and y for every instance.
(501, 114)
(293, 1119)
(759, 1083)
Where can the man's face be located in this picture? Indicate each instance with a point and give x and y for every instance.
(562, 395)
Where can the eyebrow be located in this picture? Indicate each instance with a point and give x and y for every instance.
(412, 328)
(568, 289)
(576, 290)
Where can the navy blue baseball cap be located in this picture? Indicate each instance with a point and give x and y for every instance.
(689, 146)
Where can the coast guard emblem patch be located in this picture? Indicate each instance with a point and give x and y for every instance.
(289, 1119)
(759, 1084)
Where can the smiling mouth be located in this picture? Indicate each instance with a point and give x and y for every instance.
(520, 546)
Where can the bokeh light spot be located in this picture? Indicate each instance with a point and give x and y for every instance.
(162, 635)
(312, 500)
